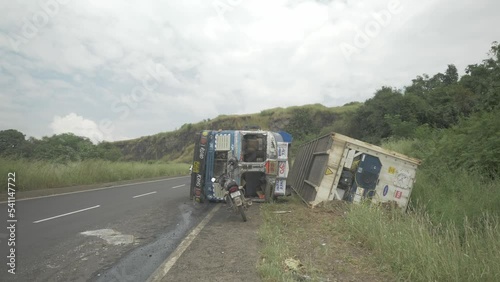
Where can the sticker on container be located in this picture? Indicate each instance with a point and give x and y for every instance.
(386, 190)
(398, 194)
(392, 170)
(280, 187)
(403, 179)
(328, 171)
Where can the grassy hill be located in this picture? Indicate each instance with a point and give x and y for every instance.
(303, 122)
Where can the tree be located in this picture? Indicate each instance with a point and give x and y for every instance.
(449, 104)
(484, 80)
(108, 151)
(369, 121)
(64, 147)
(302, 124)
(11, 142)
(451, 75)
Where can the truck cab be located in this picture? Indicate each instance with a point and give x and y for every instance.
(261, 167)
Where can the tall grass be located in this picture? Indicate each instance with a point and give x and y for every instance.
(276, 249)
(448, 195)
(32, 175)
(452, 229)
(453, 195)
(419, 250)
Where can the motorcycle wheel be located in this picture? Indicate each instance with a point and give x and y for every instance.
(242, 212)
(228, 201)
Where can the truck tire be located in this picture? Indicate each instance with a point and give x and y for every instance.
(269, 194)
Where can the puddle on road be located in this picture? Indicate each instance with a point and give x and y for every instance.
(111, 236)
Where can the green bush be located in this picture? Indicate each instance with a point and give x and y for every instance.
(474, 144)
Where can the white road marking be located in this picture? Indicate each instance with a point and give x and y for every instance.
(111, 236)
(143, 195)
(163, 269)
(57, 216)
(97, 189)
(178, 186)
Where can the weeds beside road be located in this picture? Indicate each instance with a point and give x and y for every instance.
(303, 244)
(344, 242)
(34, 175)
(419, 250)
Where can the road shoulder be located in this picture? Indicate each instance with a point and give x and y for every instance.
(227, 249)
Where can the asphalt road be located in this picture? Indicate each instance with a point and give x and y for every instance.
(50, 246)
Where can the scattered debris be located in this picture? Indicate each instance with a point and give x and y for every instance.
(281, 212)
(293, 264)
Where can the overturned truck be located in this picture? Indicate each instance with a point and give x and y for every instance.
(262, 163)
(337, 167)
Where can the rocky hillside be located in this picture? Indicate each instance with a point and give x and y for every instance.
(303, 122)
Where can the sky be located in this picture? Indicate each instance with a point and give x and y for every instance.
(118, 69)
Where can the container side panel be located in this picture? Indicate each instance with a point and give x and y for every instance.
(310, 165)
(318, 169)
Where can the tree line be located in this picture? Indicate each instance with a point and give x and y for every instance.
(457, 118)
(60, 148)
(438, 101)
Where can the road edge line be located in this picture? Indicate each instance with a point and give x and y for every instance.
(65, 214)
(163, 269)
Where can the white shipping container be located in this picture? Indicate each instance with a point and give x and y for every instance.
(337, 167)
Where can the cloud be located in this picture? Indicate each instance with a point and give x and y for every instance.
(78, 125)
(92, 57)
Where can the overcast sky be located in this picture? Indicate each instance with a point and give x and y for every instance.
(113, 70)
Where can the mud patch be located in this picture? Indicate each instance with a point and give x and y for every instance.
(111, 236)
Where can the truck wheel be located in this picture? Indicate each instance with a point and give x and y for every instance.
(269, 194)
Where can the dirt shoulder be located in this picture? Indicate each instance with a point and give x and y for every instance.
(226, 250)
(285, 241)
(303, 244)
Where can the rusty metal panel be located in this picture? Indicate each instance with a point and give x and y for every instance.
(308, 168)
(317, 170)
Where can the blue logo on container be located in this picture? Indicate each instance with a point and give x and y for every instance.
(386, 189)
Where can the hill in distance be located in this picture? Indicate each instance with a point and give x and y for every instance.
(303, 122)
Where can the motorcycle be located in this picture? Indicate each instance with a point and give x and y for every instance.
(234, 195)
